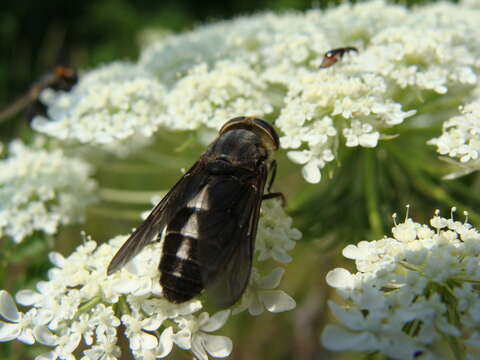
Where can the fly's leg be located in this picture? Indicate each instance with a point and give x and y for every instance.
(272, 177)
(273, 195)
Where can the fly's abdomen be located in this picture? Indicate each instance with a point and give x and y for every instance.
(181, 277)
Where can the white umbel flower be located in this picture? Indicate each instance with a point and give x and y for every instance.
(267, 65)
(79, 305)
(41, 190)
(113, 103)
(210, 96)
(402, 299)
(460, 139)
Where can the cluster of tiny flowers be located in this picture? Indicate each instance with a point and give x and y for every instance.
(460, 139)
(79, 303)
(267, 65)
(109, 104)
(412, 291)
(41, 190)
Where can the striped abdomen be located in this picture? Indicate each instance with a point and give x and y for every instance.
(181, 277)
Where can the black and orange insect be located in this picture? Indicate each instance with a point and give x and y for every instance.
(332, 56)
(61, 78)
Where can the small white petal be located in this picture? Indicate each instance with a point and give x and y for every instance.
(148, 341)
(26, 336)
(217, 346)
(337, 339)
(166, 343)
(272, 280)
(151, 324)
(73, 342)
(255, 307)
(44, 336)
(56, 259)
(357, 252)
(311, 173)
(277, 301)
(369, 140)
(299, 157)
(27, 297)
(8, 309)
(125, 286)
(351, 317)
(197, 347)
(183, 339)
(9, 332)
(340, 278)
(216, 321)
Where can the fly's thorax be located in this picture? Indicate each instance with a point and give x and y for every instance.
(238, 147)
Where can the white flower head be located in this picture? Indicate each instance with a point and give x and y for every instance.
(460, 139)
(80, 304)
(209, 97)
(397, 302)
(275, 236)
(113, 103)
(267, 65)
(41, 190)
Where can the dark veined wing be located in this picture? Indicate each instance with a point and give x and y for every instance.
(227, 236)
(174, 200)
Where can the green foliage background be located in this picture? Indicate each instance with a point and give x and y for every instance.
(355, 203)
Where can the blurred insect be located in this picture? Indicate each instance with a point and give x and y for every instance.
(332, 56)
(211, 216)
(62, 78)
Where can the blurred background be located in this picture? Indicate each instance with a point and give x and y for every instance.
(36, 36)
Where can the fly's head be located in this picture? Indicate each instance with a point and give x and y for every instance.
(267, 134)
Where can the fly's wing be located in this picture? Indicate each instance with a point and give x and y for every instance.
(227, 236)
(189, 185)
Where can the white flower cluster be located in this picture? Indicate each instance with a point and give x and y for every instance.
(41, 190)
(412, 291)
(79, 301)
(267, 65)
(460, 139)
(109, 104)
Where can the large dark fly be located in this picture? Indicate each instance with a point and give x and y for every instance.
(211, 216)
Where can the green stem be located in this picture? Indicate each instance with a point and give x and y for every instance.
(89, 305)
(371, 194)
(410, 267)
(456, 347)
(460, 279)
(123, 306)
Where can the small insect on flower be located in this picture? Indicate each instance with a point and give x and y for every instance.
(332, 56)
(211, 216)
(61, 78)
